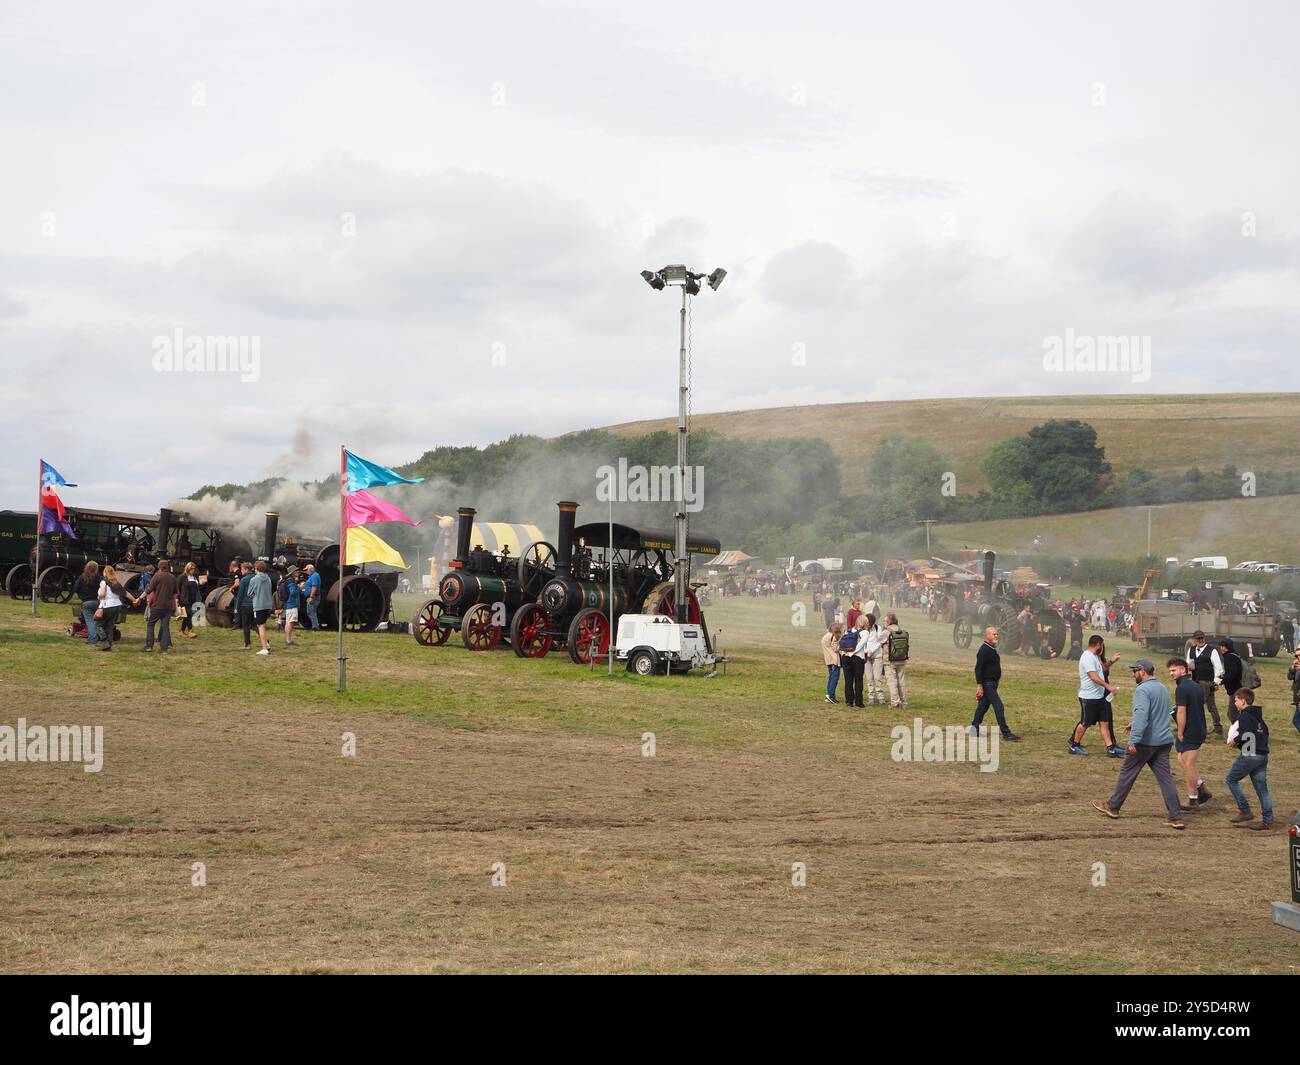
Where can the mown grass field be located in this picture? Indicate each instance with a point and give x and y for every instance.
(615, 862)
(1163, 434)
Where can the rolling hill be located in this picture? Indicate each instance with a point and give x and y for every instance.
(1163, 434)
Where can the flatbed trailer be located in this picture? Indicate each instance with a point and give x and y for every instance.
(1167, 625)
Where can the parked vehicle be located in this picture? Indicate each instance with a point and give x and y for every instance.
(1207, 562)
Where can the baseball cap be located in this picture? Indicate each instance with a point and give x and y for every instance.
(1144, 664)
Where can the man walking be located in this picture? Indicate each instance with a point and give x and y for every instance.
(1149, 743)
(988, 674)
(1094, 707)
(1230, 680)
(1207, 670)
(1189, 720)
(243, 604)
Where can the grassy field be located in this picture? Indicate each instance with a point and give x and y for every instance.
(614, 862)
(1263, 529)
(1163, 434)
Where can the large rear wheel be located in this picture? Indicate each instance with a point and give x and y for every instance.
(18, 581)
(54, 585)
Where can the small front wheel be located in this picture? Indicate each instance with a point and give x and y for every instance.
(643, 662)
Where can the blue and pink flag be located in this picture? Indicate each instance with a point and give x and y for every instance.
(53, 517)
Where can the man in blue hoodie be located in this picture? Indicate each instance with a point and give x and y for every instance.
(1251, 738)
(1149, 741)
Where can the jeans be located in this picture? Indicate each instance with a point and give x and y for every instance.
(312, 619)
(1254, 766)
(832, 680)
(88, 609)
(1295, 719)
(163, 620)
(993, 699)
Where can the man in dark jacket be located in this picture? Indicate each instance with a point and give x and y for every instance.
(160, 594)
(1231, 675)
(988, 673)
(86, 590)
(1293, 675)
(1252, 740)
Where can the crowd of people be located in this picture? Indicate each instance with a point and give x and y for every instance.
(167, 597)
(859, 649)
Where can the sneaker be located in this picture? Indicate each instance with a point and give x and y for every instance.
(1175, 823)
(290, 643)
(145, 650)
(973, 731)
(1104, 807)
(1115, 752)
(826, 697)
(1203, 796)
(1242, 817)
(1262, 826)
(263, 651)
(1186, 809)
(1078, 748)
(1010, 737)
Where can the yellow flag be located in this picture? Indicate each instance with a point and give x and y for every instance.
(365, 546)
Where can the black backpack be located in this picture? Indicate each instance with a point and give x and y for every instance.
(897, 647)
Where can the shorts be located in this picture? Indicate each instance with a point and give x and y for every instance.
(1190, 745)
(260, 616)
(290, 614)
(1095, 711)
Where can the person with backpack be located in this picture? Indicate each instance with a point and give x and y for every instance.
(290, 599)
(853, 664)
(896, 648)
(1250, 736)
(1232, 671)
(831, 657)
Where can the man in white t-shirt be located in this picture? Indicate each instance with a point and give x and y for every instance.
(1094, 706)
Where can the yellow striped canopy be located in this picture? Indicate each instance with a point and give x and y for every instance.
(494, 535)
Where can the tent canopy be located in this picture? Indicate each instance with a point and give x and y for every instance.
(626, 538)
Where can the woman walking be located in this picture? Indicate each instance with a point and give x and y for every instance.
(260, 595)
(109, 610)
(190, 594)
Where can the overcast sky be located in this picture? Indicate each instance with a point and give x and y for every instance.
(431, 216)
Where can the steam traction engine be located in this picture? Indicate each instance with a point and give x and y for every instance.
(486, 585)
(366, 597)
(576, 606)
(1000, 607)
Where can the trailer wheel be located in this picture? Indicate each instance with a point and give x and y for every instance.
(643, 661)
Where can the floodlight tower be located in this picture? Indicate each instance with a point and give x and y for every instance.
(689, 282)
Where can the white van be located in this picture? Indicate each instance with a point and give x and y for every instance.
(1208, 562)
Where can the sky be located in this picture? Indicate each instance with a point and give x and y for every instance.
(427, 220)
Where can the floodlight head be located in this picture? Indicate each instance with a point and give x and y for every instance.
(692, 284)
(716, 278)
(675, 274)
(653, 280)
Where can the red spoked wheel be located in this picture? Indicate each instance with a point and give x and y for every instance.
(425, 627)
(530, 631)
(589, 636)
(477, 629)
(663, 596)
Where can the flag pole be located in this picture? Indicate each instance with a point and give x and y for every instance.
(40, 499)
(343, 555)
